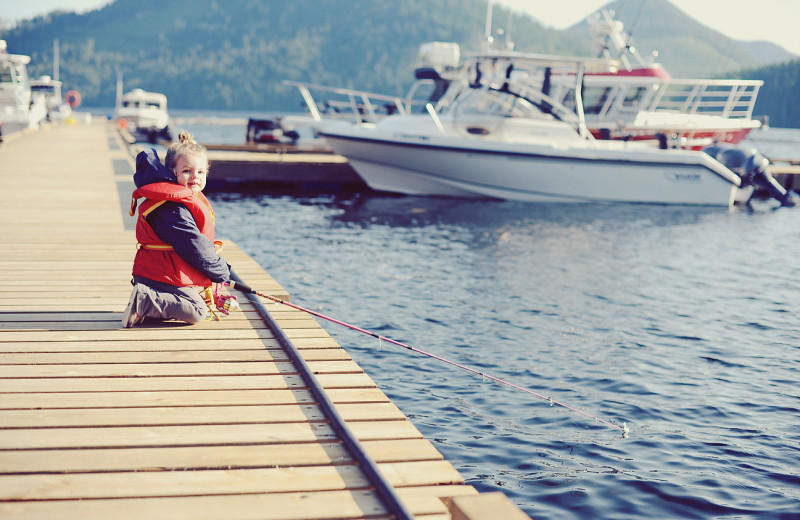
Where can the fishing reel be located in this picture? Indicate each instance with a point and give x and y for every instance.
(226, 303)
(219, 301)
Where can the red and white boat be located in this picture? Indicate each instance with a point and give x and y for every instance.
(642, 101)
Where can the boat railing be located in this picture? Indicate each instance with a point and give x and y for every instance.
(732, 99)
(348, 104)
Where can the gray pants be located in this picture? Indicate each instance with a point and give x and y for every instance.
(163, 301)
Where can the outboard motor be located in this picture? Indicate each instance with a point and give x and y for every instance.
(753, 169)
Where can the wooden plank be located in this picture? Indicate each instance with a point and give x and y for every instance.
(55, 400)
(287, 506)
(161, 345)
(168, 356)
(218, 482)
(483, 506)
(241, 414)
(197, 435)
(166, 332)
(173, 369)
(148, 384)
(79, 460)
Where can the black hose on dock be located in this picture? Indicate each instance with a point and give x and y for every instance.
(385, 490)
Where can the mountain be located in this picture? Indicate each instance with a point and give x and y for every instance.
(686, 48)
(766, 52)
(233, 55)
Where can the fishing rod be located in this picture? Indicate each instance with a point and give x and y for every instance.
(249, 290)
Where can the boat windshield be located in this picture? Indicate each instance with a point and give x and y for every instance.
(497, 103)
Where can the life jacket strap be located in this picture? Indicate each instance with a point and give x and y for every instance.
(167, 247)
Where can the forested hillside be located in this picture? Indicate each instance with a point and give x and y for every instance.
(233, 55)
(779, 98)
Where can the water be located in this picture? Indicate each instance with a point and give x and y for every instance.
(681, 322)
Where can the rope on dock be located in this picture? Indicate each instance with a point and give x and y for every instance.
(383, 488)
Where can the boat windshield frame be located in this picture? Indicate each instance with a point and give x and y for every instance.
(515, 73)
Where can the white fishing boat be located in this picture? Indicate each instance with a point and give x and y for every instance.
(50, 90)
(144, 114)
(638, 101)
(19, 109)
(505, 138)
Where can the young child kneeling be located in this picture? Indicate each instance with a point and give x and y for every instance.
(177, 257)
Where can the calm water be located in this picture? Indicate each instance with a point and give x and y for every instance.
(682, 322)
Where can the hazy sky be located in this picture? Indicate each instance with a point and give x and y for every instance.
(777, 21)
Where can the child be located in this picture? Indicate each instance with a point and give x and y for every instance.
(177, 257)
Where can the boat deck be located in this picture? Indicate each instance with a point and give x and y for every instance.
(169, 420)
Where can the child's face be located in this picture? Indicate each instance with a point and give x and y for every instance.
(191, 171)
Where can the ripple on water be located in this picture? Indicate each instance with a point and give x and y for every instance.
(681, 322)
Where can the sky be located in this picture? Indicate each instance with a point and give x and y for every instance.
(777, 21)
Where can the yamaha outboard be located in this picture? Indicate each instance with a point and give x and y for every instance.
(753, 169)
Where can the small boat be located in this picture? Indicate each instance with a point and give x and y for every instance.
(19, 109)
(143, 114)
(503, 137)
(58, 109)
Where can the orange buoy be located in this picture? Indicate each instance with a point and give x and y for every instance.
(73, 98)
(122, 123)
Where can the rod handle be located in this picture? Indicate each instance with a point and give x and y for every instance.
(241, 287)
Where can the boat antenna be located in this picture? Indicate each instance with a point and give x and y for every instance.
(488, 30)
(55, 60)
(635, 23)
(509, 43)
(118, 101)
(241, 286)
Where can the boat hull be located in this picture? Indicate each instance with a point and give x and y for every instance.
(425, 168)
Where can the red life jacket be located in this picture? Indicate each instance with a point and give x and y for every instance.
(157, 260)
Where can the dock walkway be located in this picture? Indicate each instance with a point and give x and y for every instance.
(172, 421)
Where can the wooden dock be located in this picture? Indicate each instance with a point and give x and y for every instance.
(169, 420)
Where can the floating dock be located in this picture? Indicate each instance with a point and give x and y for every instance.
(215, 420)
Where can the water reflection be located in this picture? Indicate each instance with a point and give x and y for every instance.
(680, 321)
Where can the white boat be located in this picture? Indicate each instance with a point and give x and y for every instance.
(143, 113)
(505, 138)
(19, 109)
(50, 90)
(639, 101)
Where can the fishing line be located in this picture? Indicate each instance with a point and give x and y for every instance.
(247, 289)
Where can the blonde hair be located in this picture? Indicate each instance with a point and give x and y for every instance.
(186, 145)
